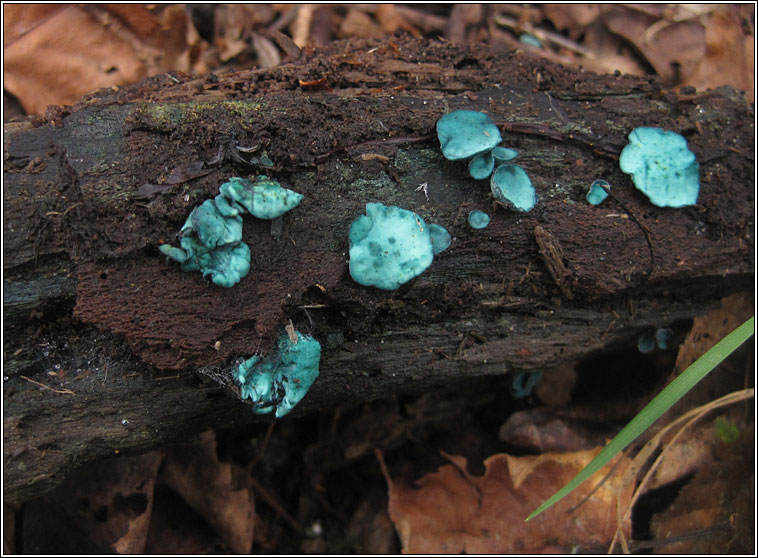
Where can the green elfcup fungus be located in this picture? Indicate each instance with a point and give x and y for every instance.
(512, 187)
(212, 227)
(598, 192)
(481, 166)
(211, 238)
(646, 343)
(280, 381)
(464, 134)
(389, 246)
(478, 219)
(264, 198)
(440, 238)
(662, 167)
(503, 154)
(663, 336)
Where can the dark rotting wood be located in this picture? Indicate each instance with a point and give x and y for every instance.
(90, 191)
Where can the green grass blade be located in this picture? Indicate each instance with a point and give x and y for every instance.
(653, 410)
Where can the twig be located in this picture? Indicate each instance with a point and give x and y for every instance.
(278, 509)
(64, 391)
(264, 445)
(543, 35)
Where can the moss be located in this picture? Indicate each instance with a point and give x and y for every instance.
(167, 117)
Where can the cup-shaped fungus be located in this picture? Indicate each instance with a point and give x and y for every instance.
(440, 238)
(211, 226)
(662, 167)
(480, 167)
(478, 219)
(598, 192)
(512, 187)
(646, 343)
(211, 238)
(264, 198)
(503, 154)
(280, 382)
(663, 336)
(464, 134)
(389, 246)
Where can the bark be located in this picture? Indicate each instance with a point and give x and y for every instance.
(104, 338)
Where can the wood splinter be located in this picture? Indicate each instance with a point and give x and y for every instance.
(550, 251)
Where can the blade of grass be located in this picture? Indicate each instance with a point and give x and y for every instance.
(653, 410)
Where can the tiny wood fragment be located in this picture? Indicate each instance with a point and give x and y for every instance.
(552, 255)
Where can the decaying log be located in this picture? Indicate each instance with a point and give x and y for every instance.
(104, 337)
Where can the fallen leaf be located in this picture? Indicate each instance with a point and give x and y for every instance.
(453, 512)
(361, 25)
(709, 505)
(46, 63)
(706, 331)
(540, 430)
(729, 55)
(672, 47)
(573, 17)
(176, 529)
(108, 504)
(213, 489)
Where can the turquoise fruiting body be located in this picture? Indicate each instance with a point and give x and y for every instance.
(440, 238)
(471, 135)
(480, 167)
(503, 154)
(466, 133)
(264, 198)
(389, 246)
(211, 238)
(478, 219)
(662, 337)
(280, 382)
(211, 242)
(646, 343)
(212, 227)
(662, 167)
(524, 383)
(512, 187)
(530, 40)
(597, 192)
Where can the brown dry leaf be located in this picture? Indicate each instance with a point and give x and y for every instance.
(729, 55)
(233, 24)
(610, 53)
(542, 430)
(212, 489)
(705, 332)
(391, 19)
(573, 18)
(108, 504)
(361, 25)
(673, 48)
(75, 49)
(713, 501)
(176, 529)
(709, 329)
(699, 444)
(454, 512)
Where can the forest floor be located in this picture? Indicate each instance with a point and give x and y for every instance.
(450, 471)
